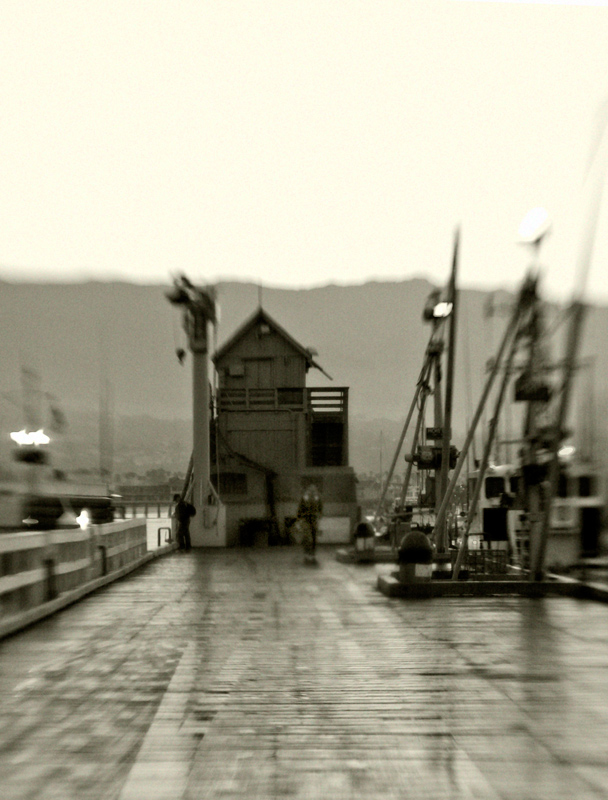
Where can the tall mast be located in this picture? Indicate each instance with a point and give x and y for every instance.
(199, 311)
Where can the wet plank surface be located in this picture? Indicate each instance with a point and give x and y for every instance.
(245, 674)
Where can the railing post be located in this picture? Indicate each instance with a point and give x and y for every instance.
(50, 584)
(104, 559)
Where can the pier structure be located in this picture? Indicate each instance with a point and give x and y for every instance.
(240, 673)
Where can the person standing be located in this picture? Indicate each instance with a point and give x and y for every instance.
(309, 511)
(182, 514)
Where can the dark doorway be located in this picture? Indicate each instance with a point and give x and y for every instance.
(327, 444)
(591, 525)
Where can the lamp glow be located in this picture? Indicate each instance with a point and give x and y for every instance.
(35, 437)
(442, 310)
(83, 519)
(567, 451)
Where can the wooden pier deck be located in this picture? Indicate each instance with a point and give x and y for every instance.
(245, 674)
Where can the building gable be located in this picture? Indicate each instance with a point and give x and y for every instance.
(262, 354)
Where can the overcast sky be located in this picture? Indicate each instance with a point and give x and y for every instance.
(297, 143)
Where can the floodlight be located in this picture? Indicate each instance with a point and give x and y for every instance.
(442, 310)
(534, 226)
(567, 451)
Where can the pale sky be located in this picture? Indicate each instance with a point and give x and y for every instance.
(297, 143)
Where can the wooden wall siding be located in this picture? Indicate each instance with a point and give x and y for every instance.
(276, 440)
(275, 449)
(294, 371)
(268, 361)
(259, 373)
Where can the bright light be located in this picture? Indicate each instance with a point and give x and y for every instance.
(534, 225)
(442, 310)
(83, 519)
(35, 437)
(21, 437)
(567, 451)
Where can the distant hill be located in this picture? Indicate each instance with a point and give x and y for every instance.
(369, 337)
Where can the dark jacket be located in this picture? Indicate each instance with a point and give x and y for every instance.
(183, 511)
(310, 508)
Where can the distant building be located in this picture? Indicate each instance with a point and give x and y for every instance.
(274, 436)
(150, 492)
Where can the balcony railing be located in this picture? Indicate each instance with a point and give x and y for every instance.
(326, 403)
(321, 402)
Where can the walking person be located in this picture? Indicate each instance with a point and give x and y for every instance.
(182, 513)
(309, 512)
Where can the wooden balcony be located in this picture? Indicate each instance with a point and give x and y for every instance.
(320, 403)
(328, 404)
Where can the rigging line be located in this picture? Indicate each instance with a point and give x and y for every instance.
(561, 318)
(467, 374)
(410, 414)
(595, 177)
(216, 416)
(408, 472)
(492, 433)
(245, 459)
(510, 331)
(574, 336)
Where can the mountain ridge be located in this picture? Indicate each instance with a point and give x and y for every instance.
(369, 337)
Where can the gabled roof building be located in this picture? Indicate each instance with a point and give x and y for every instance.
(274, 436)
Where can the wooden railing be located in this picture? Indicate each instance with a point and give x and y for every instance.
(319, 401)
(40, 565)
(41, 571)
(324, 402)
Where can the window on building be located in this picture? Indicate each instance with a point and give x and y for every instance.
(495, 486)
(514, 484)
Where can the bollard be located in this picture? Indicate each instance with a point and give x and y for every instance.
(365, 540)
(415, 557)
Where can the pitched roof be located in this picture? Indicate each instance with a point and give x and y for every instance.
(262, 316)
